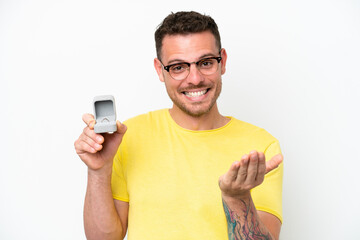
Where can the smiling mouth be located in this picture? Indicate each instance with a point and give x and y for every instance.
(196, 93)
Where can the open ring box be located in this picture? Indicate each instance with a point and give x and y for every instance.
(105, 114)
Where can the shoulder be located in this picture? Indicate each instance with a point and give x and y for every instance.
(251, 131)
(148, 117)
(146, 122)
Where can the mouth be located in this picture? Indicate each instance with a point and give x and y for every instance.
(196, 94)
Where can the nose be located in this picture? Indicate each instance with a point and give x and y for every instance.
(194, 77)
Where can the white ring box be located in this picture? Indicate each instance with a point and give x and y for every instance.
(105, 114)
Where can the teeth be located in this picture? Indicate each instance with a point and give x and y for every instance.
(195, 94)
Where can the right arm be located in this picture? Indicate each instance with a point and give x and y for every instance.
(104, 217)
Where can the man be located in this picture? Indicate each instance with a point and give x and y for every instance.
(165, 180)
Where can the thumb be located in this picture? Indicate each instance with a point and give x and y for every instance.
(274, 162)
(121, 128)
(113, 140)
(119, 134)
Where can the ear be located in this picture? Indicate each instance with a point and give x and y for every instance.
(158, 68)
(223, 60)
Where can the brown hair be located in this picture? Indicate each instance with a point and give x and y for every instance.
(185, 23)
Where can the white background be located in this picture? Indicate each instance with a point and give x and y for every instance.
(293, 69)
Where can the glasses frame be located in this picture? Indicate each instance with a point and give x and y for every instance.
(167, 67)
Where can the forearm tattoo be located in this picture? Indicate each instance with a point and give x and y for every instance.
(246, 226)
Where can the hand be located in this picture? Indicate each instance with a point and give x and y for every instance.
(246, 174)
(97, 150)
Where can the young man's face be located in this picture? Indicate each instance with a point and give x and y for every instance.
(197, 93)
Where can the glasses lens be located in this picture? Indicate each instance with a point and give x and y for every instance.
(179, 71)
(208, 66)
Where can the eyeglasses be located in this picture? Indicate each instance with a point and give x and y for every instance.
(180, 71)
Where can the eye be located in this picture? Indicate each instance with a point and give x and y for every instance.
(206, 63)
(178, 68)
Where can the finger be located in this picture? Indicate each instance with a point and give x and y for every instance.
(253, 167)
(89, 120)
(229, 177)
(274, 162)
(242, 173)
(98, 138)
(91, 142)
(261, 168)
(82, 147)
(232, 173)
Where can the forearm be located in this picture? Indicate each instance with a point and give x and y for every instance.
(243, 221)
(100, 216)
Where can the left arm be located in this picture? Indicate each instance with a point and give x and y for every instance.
(244, 221)
(272, 223)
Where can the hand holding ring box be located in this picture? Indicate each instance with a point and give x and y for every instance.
(105, 114)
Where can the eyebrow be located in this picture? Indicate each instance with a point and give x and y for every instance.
(177, 60)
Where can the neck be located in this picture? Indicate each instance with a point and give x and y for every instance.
(210, 120)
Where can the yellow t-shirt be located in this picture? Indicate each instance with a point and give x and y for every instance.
(169, 175)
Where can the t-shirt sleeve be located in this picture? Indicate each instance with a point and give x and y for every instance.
(118, 179)
(267, 197)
